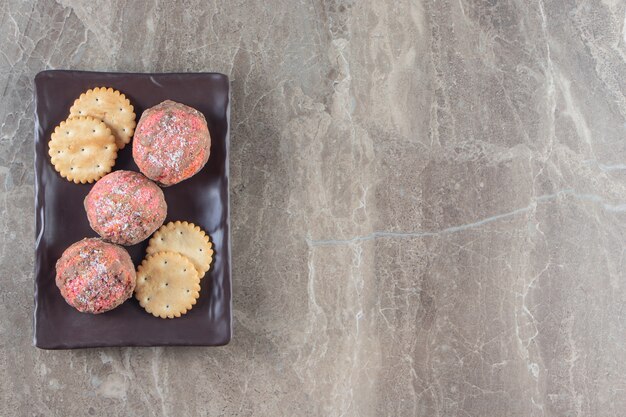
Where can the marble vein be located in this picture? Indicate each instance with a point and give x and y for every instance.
(455, 229)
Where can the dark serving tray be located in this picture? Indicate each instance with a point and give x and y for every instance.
(61, 219)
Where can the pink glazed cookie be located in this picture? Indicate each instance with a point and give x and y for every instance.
(171, 143)
(125, 207)
(95, 276)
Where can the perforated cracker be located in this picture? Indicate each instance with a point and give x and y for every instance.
(82, 149)
(110, 106)
(168, 285)
(186, 239)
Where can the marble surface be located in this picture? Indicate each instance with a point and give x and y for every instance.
(428, 202)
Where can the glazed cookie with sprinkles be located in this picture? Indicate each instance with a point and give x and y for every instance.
(125, 207)
(172, 142)
(110, 106)
(95, 276)
(168, 285)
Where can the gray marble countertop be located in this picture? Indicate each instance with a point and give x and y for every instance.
(428, 203)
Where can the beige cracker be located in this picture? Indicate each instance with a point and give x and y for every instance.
(82, 149)
(110, 106)
(168, 285)
(188, 240)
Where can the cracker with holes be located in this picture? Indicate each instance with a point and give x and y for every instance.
(186, 239)
(168, 285)
(110, 106)
(82, 149)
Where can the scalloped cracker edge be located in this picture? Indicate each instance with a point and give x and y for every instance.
(110, 106)
(186, 239)
(168, 285)
(82, 149)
